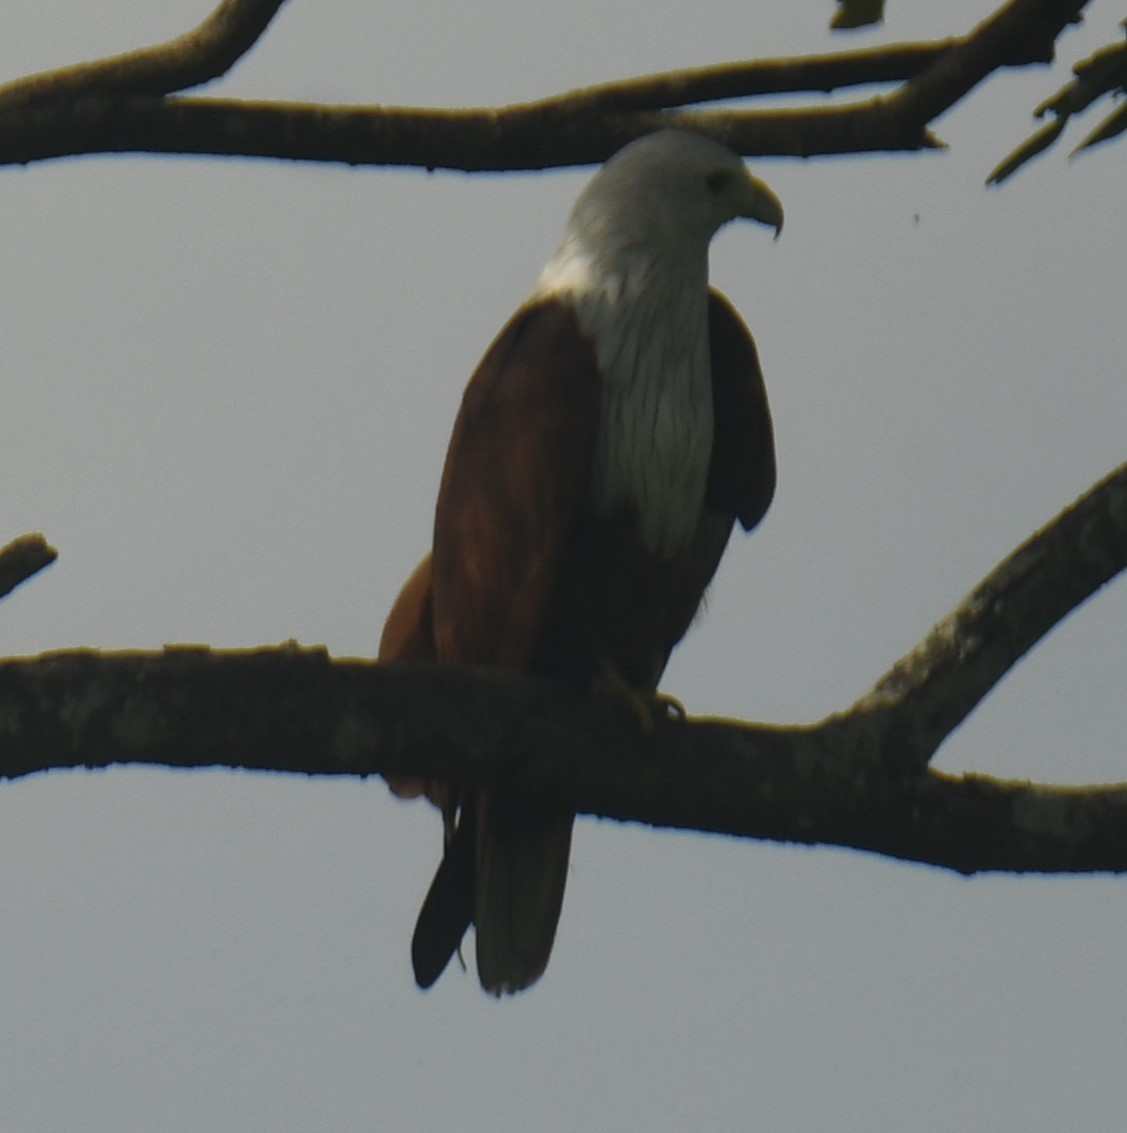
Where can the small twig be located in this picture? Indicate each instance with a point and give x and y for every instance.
(22, 558)
(187, 61)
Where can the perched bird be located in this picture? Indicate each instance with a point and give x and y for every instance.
(607, 442)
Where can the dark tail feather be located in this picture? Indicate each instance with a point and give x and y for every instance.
(521, 873)
(449, 906)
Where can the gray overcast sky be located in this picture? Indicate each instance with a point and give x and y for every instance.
(228, 389)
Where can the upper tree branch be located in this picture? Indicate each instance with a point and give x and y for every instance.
(201, 55)
(581, 127)
(859, 779)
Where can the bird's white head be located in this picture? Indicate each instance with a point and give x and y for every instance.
(680, 183)
(659, 200)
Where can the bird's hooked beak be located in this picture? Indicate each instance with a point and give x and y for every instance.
(759, 203)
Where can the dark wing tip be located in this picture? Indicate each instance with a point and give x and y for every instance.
(448, 908)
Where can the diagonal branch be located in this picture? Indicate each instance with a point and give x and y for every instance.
(929, 693)
(201, 55)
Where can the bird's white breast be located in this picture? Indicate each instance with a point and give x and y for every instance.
(644, 308)
(655, 429)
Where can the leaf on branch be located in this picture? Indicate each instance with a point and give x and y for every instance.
(857, 14)
(1101, 74)
(1112, 125)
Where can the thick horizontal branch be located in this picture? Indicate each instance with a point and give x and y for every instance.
(296, 710)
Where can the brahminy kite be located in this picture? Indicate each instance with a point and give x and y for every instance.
(605, 446)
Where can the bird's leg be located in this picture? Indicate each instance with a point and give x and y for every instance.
(674, 709)
(448, 799)
(647, 704)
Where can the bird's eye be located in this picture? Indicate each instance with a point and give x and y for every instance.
(718, 181)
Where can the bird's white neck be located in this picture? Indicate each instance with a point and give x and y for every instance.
(647, 316)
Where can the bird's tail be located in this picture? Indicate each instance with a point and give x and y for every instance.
(504, 869)
(522, 859)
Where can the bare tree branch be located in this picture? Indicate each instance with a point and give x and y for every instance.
(299, 711)
(197, 57)
(22, 558)
(859, 779)
(114, 114)
(928, 693)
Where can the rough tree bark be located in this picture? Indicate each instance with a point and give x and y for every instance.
(860, 778)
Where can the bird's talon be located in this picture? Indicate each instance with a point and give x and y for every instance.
(648, 708)
(671, 708)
